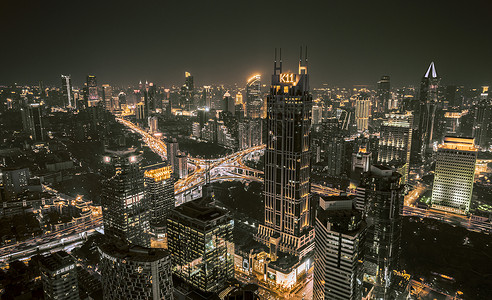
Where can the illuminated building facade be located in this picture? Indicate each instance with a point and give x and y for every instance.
(107, 96)
(383, 96)
(91, 92)
(124, 208)
(59, 276)
(159, 191)
(182, 165)
(362, 112)
(288, 226)
(383, 205)
(200, 240)
(249, 133)
(454, 175)
(253, 97)
(339, 245)
(187, 91)
(134, 272)
(482, 126)
(395, 141)
(153, 124)
(67, 91)
(427, 111)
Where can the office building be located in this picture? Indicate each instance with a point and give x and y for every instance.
(124, 208)
(383, 97)
(362, 112)
(91, 92)
(172, 149)
(426, 112)
(288, 215)
(159, 191)
(228, 103)
(482, 125)
(395, 141)
(67, 92)
(253, 97)
(454, 175)
(140, 112)
(134, 272)
(153, 128)
(181, 165)
(200, 241)
(317, 112)
(107, 96)
(382, 207)
(361, 162)
(339, 246)
(32, 121)
(187, 92)
(59, 276)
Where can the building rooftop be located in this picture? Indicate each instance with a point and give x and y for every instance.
(458, 143)
(56, 261)
(200, 210)
(122, 250)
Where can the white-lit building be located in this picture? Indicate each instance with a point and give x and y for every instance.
(362, 112)
(454, 175)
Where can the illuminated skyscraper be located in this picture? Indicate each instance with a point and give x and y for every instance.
(134, 272)
(396, 140)
(187, 91)
(159, 193)
(253, 97)
(107, 96)
(67, 91)
(427, 111)
(362, 112)
(454, 175)
(383, 206)
(383, 94)
(91, 92)
(482, 125)
(339, 245)
(287, 226)
(200, 241)
(125, 211)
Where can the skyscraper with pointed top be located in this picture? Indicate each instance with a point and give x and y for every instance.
(427, 110)
(287, 226)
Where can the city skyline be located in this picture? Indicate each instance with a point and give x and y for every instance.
(350, 45)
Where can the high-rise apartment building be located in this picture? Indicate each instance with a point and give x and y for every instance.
(159, 191)
(153, 128)
(181, 165)
(253, 97)
(59, 276)
(134, 272)
(383, 96)
(199, 238)
(288, 217)
(396, 140)
(454, 175)
(362, 112)
(67, 92)
(382, 207)
(124, 207)
(339, 246)
(317, 112)
(249, 133)
(427, 111)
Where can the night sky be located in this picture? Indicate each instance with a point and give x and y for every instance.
(349, 42)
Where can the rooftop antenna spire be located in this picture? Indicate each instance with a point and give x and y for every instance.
(279, 66)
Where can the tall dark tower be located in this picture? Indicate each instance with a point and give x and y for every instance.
(427, 110)
(287, 226)
(383, 94)
(125, 209)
